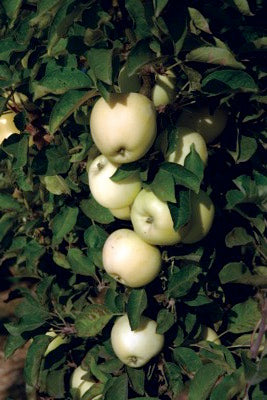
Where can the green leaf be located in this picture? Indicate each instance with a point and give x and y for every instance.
(199, 20)
(61, 260)
(138, 14)
(238, 237)
(55, 384)
(80, 264)
(137, 379)
(92, 320)
(7, 221)
(17, 147)
(11, 7)
(100, 61)
(243, 317)
(204, 380)
(232, 272)
(159, 6)
(163, 186)
(8, 203)
(96, 212)
(12, 344)
(180, 211)
(194, 163)
(95, 236)
(140, 55)
(181, 281)
(174, 376)
(187, 359)
(165, 320)
(214, 55)
(137, 303)
(228, 80)
(52, 161)
(247, 148)
(243, 7)
(56, 185)
(33, 360)
(182, 176)
(63, 223)
(118, 389)
(229, 387)
(9, 46)
(125, 171)
(66, 105)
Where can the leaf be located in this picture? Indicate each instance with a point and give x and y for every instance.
(243, 317)
(187, 359)
(55, 385)
(52, 160)
(95, 236)
(228, 80)
(163, 186)
(181, 211)
(174, 376)
(33, 360)
(92, 320)
(229, 387)
(96, 212)
(9, 46)
(247, 148)
(174, 16)
(232, 272)
(118, 389)
(194, 163)
(12, 8)
(139, 15)
(182, 176)
(139, 55)
(17, 147)
(181, 281)
(8, 203)
(165, 320)
(159, 6)
(199, 20)
(12, 344)
(214, 55)
(125, 171)
(7, 221)
(137, 379)
(100, 61)
(238, 237)
(204, 380)
(137, 303)
(66, 105)
(63, 223)
(80, 264)
(243, 7)
(56, 184)
(61, 260)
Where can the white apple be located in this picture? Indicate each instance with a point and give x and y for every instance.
(108, 193)
(202, 215)
(124, 128)
(58, 340)
(130, 260)
(136, 348)
(184, 138)
(122, 213)
(163, 92)
(209, 334)
(77, 381)
(210, 126)
(152, 221)
(128, 83)
(7, 126)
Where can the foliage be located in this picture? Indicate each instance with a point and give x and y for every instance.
(62, 55)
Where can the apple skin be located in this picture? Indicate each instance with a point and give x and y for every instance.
(163, 92)
(184, 138)
(130, 260)
(209, 334)
(128, 83)
(124, 128)
(136, 348)
(77, 382)
(122, 213)
(152, 220)
(202, 215)
(200, 120)
(108, 193)
(58, 340)
(7, 126)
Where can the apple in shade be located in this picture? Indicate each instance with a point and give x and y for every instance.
(202, 215)
(130, 260)
(77, 382)
(7, 125)
(122, 213)
(58, 340)
(128, 83)
(135, 348)
(209, 125)
(152, 221)
(123, 128)
(183, 140)
(163, 92)
(108, 193)
(209, 334)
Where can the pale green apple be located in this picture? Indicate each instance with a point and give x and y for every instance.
(202, 215)
(7, 126)
(130, 260)
(78, 381)
(58, 340)
(108, 193)
(128, 83)
(152, 221)
(122, 213)
(209, 334)
(163, 92)
(124, 128)
(136, 348)
(210, 126)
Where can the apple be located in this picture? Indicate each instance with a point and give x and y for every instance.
(184, 138)
(122, 213)
(152, 221)
(77, 382)
(108, 193)
(130, 260)
(163, 92)
(128, 83)
(58, 340)
(202, 215)
(7, 126)
(210, 126)
(209, 335)
(136, 348)
(16, 99)
(124, 128)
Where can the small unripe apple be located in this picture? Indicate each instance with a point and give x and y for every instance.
(77, 382)
(209, 334)
(163, 92)
(130, 260)
(7, 126)
(122, 213)
(184, 138)
(202, 215)
(152, 221)
(128, 83)
(136, 348)
(210, 126)
(108, 193)
(58, 340)
(124, 128)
